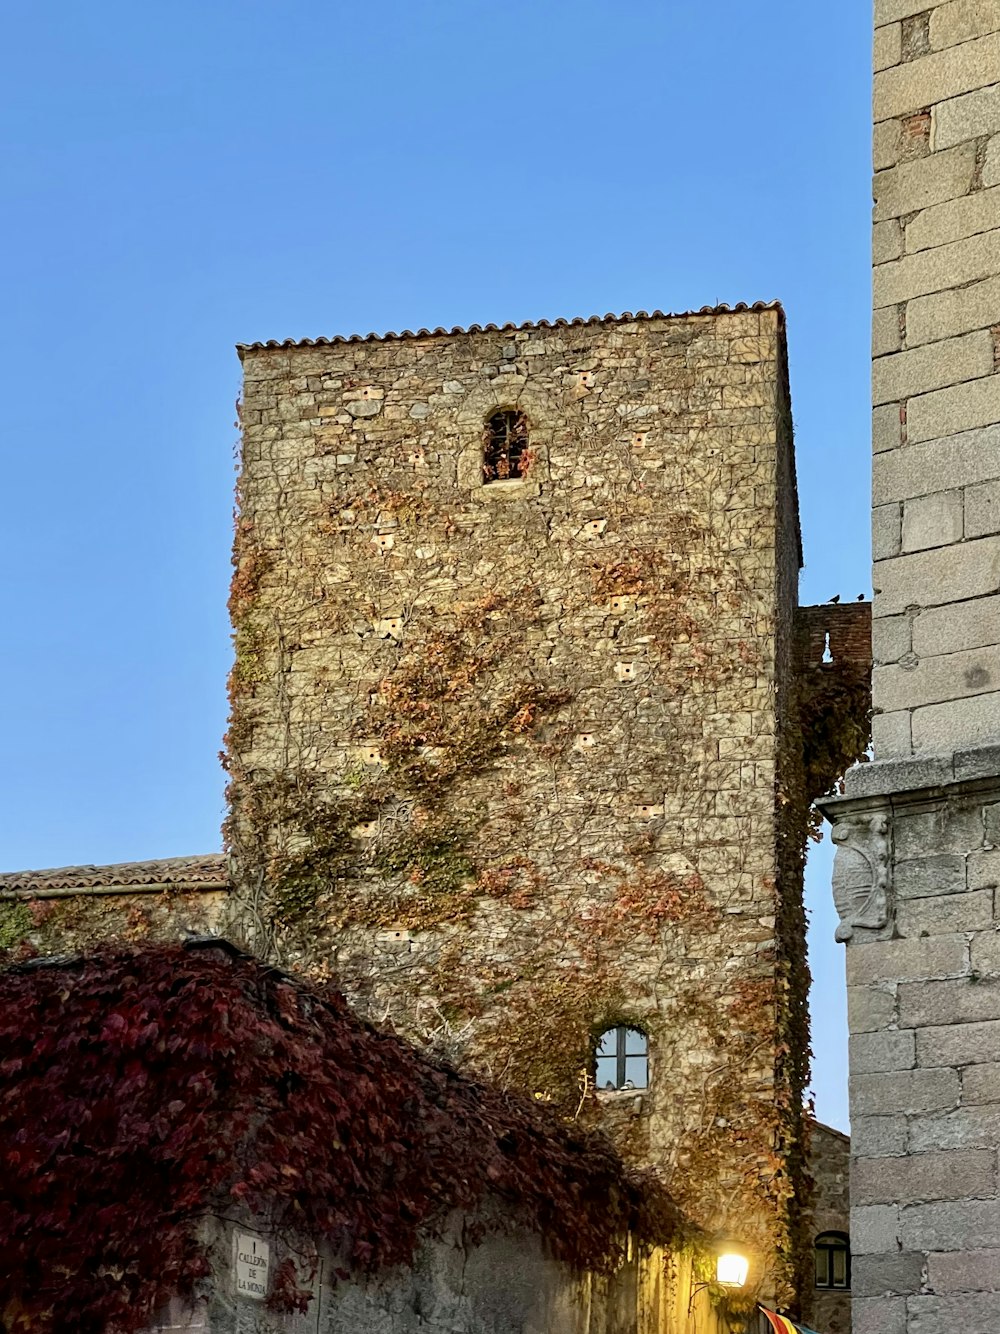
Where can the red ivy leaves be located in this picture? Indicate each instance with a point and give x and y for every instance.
(140, 1089)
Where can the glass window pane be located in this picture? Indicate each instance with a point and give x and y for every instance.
(607, 1072)
(636, 1070)
(635, 1042)
(608, 1044)
(822, 1269)
(839, 1258)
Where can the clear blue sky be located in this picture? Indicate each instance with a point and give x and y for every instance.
(177, 178)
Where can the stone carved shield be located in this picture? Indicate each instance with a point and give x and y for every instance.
(861, 880)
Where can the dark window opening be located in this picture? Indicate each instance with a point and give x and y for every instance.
(622, 1059)
(833, 1260)
(505, 446)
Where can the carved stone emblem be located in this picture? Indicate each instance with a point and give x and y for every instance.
(861, 881)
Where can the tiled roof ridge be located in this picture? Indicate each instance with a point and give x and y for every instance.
(626, 317)
(209, 869)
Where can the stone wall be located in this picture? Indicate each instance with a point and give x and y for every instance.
(830, 1162)
(504, 755)
(936, 393)
(916, 872)
(464, 1282)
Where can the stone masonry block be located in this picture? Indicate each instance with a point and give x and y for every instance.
(967, 117)
(888, 48)
(886, 530)
(886, 1275)
(951, 676)
(985, 955)
(926, 181)
(941, 75)
(983, 870)
(982, 512)
(878, 1315)
(953, 628)
(951, 1225)
(966, 1128)
(917, 831)
(966, 722)
(937, 270)
(891, 734)
(927, 877)
(873, 1053)
(932, 521)
(906, 960)
(904, 1092)
(963, 407)
(975, 213)
(952, 312)
(961, 21)
(950, 1001)
(931, 578)
(903, 374)
(885, 144)
(938, 465)
(888, 11)
(870, 1008)
(964, 1271)
(887, 429)
(939, 916)
(980, 1311)
(886, 336)
(921, 1177)
(874, 1229)
(958, 1044)
(891, 635)
(980, 1083)
(887, 241)
(991, 165)
(879, 1136)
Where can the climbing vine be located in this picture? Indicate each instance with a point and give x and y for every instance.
(142, 1090)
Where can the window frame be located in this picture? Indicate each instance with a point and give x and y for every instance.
(621, 1056)
(828, 1244)
(514, 420)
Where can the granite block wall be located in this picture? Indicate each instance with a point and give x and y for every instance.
(936, 393)
(915, 878)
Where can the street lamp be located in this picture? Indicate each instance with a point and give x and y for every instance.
(731, 1269)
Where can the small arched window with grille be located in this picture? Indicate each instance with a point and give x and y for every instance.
(622, 1059)
(505, 446)
(833, 1260)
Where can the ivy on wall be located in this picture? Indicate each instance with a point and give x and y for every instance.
(142, 1090)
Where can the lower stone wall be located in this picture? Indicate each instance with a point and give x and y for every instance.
(465, 1282)
(916, 883)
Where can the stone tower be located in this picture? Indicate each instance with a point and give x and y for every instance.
(513, 747)
(918, 831)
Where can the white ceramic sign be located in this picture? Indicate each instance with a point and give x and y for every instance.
(252, 1257)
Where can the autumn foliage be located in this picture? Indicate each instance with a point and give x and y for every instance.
(141, 1091)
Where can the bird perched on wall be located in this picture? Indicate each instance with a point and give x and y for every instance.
(861, 597)
(835, 598)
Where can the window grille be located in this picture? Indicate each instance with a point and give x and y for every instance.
(505, 446)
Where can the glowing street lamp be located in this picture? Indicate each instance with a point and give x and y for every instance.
(731, 1269)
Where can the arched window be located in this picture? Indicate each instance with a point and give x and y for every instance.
(833, 1260)
(505, 446)
(622, 1059)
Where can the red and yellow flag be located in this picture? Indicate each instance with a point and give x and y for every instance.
(785, 1326)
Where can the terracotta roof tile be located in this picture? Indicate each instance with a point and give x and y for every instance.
(205, 872)
(627, 317)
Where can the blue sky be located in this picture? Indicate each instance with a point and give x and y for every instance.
(178, 178)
